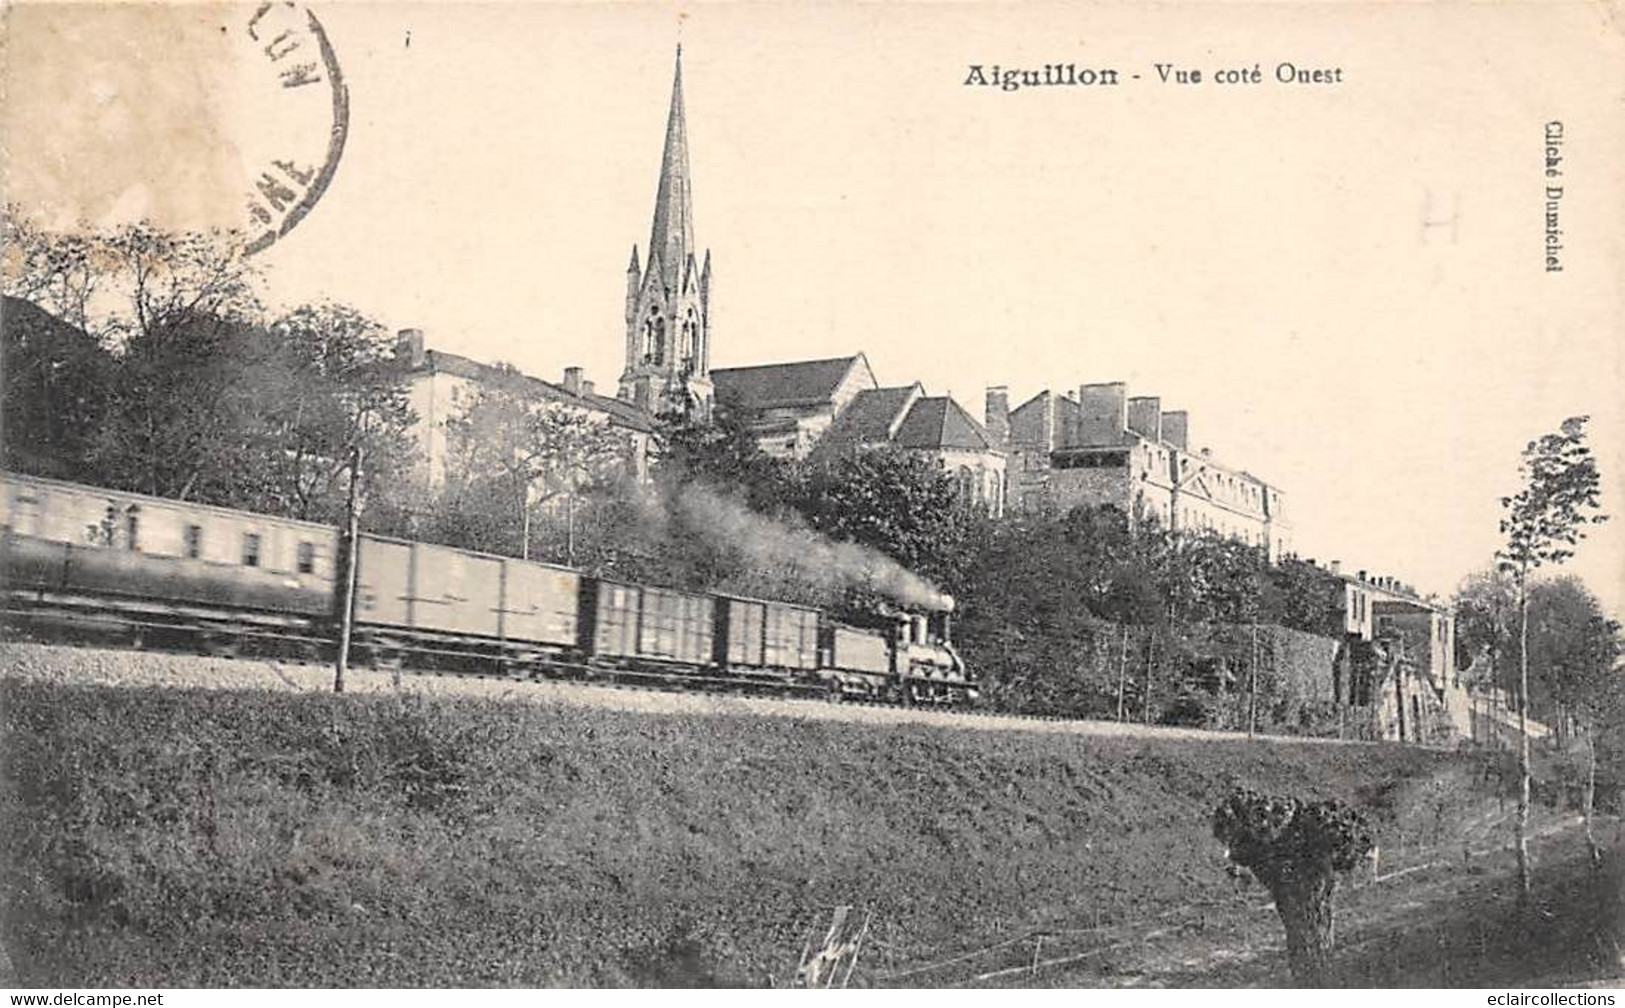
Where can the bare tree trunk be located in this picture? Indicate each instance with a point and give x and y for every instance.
(1520, 828)
(1590, 793)
(1305, 907)
(1122, 671)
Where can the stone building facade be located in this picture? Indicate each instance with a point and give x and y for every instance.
(440, 386)
(1397, 658)
(1101, 446)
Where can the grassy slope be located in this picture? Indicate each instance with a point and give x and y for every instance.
(178, 838)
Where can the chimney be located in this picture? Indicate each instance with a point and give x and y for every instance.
(996, 416)
(409, 348)
(572, 380)
(1102, 414)
(1145, 417)
(1176, 428)
(586, 387)
(1045, 434)
(1336, 567)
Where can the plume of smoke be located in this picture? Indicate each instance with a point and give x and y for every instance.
(799, 553)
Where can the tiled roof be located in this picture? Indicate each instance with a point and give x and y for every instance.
(619, 411)
(794, 383)
(939, 422)
(870, 416)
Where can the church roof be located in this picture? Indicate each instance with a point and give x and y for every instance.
(793, 383)
(620, 412)
(939, 422)
(671, 238)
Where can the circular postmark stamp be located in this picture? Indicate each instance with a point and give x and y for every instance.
(305, 108)
(195, 117)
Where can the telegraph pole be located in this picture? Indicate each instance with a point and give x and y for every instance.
(352, 544)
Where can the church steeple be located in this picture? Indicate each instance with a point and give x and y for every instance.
(672, 235)
(668, 330)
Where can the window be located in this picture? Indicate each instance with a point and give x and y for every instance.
(251, 549)
(194, 541)
(306, 558)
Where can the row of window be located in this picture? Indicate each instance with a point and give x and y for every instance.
(192, 540)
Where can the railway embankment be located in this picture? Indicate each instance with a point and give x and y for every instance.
(175, 835)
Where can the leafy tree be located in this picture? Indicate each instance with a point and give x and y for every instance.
(182, 411)
(723, 454)
(1296, 849)
(891, 500)
(532, 453)
(329, 386)
(1304, 597)
(53, 391)
(1574, 651)
(1543, 523)
(1486, 606)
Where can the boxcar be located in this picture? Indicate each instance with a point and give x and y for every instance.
(440, 590)
(756, 633)
(635, 622)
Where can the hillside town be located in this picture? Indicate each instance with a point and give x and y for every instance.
(1092, 446)
(335, 653)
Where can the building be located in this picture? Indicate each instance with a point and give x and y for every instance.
(440, 385)
(789, 406)
(934, 427)
(1103, 447)
(1398, 658)
(668, 297)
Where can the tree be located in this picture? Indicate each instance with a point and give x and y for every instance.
(723, 454)
(1574, 650)
(1543, 523)
(60, 273)
(893, 501)
(182, 411)
(532, 452)
(53, 391)
(1486, 607)
(329, 387)
(1295, 848)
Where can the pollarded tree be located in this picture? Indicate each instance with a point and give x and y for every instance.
(1296, 849)
(1543, 523)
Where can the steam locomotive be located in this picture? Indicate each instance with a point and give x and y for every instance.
(176, 572)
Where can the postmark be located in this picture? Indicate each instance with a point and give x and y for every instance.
(305, 110)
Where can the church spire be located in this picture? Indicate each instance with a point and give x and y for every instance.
(668, 305)
(672, 236)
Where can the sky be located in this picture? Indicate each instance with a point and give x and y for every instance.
(1343, 283)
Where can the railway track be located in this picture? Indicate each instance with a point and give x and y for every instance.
(626, 689)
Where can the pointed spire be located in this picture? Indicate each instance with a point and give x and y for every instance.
(632, 267)
(672, 235)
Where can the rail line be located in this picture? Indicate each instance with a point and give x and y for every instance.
(803, 701)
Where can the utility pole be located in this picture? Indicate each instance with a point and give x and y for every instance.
(352, 543)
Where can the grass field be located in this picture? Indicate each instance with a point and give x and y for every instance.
(188, 837)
